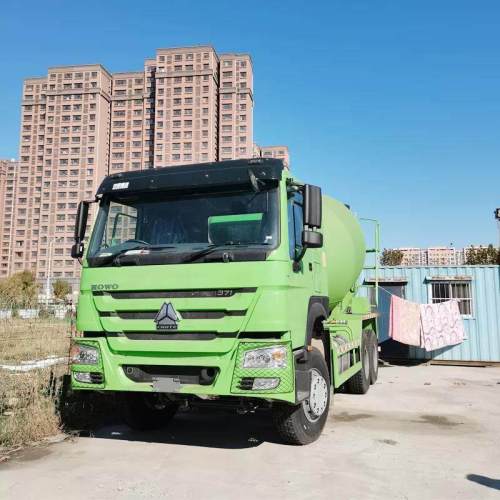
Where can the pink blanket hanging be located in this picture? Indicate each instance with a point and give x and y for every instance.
(404, 323)
(441, 325)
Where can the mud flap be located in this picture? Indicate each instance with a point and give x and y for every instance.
(302, 375)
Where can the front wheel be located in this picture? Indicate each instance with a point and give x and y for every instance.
(303, 423)
(147, 411)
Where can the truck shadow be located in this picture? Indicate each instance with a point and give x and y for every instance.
(484, 481)
(205, 428)
(98, 415)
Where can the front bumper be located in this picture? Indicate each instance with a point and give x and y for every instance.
(231, 378)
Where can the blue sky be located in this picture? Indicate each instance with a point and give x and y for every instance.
(390, 106)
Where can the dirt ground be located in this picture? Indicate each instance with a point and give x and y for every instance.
(420, 432)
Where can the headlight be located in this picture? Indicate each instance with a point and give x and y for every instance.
(82, 354)
(267, 357)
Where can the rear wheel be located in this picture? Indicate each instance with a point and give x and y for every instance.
(146, 411)
(373, 357)
(360, 382)
(303, 423)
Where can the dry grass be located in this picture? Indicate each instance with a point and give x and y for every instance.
(24, 340)
(29, 399)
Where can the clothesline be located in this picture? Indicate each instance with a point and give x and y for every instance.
(387, 291)
(430, 326)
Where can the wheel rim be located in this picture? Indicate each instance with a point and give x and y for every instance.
(315, 405)
(366, 363)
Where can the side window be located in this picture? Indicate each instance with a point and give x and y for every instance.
(441, 291)
(295, 224)
(121, 224)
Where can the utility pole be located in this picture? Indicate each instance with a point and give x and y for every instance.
(497, 217)
(48, 291)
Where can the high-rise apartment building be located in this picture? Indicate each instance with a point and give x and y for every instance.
(3, 184)
(80, 123)
(186, 122)
(8, 171)
(132, 120)
(235, 107)
(64, 153)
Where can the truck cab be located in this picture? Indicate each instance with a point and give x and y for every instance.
(209, 284)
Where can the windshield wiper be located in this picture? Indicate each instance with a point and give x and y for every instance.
(210, 249)
(116, 256)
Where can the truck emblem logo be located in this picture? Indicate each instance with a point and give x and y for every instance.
(167, 317)
(104, 287)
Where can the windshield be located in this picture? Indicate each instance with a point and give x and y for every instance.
(184, 223)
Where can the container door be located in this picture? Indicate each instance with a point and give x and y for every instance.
(389, 349)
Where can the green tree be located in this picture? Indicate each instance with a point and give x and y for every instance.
(391, 257)
(19, 290)
(482, 256)
(61, 289)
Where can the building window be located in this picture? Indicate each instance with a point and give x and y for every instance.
(441, 291)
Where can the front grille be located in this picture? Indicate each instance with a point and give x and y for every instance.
(174, 294)
(165, 335)
(183, 314)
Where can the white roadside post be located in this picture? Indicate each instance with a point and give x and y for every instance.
(48, 291)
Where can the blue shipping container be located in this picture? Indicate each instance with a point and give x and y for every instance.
(478, 286)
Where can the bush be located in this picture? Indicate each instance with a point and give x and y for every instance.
(391, 257)
(483, 256)
(19, 291)
(61, 289)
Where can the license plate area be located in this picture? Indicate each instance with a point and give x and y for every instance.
(166, 378)
(166, 384)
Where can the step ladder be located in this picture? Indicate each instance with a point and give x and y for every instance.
(373, 263)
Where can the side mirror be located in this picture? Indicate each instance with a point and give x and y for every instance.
(312, 206)
(80, 228)
(311, 239)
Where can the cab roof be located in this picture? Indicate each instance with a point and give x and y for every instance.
(222, 173)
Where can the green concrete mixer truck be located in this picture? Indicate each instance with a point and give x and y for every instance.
(228, 283)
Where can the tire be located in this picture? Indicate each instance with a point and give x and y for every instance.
(147, 411)
(373, 357)
(359, 383)
(303, 423)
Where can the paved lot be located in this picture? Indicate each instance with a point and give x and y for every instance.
(420, 432)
